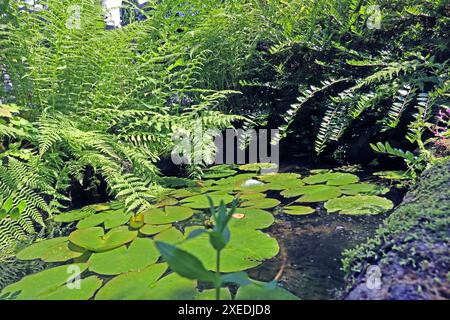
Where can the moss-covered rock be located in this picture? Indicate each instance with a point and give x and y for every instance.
(411, 252)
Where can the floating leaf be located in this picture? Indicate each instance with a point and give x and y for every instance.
(260, 291)
(132, 285)
(251, 195)
(110, 218)
(95, 239)
(51, 250)
(150, 230)
(247, 249)
(366, 188)
(166, 202)
(266, 203)
(257, 167)
(172, 287)
(320, 195)
(210, 294)
(278, 177)
(201, 201)
(168, 215)
(359, 204)
(140, 254)
(74, 215)
(252, 219)
(99, 207)
(298, 210)
(332, 178)
(53, 284)
(171, 235)
(183, 193)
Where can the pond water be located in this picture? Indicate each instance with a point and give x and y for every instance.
(310, 244)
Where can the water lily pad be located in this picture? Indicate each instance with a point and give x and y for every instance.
(266, 292)
(52, 284)
(100, 207)
(291, 193)
(235, 180)
(95, 239)
(210, 294)
(218, 172)
(251, 195)
(150, 230)
(359, 205)
(366, 188)
(252, 219)
(278, 177)
(110, 218)
(247, 249)
(172, 287)
(168, 215)
(132, 285)
(183, 193)
(393, 175)
(74, 215)
(201, 201)
(168, 201)
(298, 210)
(176, 182)
(51, 250)
(171, 235)
(266, 203)
(287, 184)
(257, 167)
(140, 254)
(332, 178)
(320, 195)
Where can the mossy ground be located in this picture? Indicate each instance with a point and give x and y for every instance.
(412, 247)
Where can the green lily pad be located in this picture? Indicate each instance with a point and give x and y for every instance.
(110, 219)
(166, 202)
(264, 292)
(278, 177)
(51, 250)
(332, 178)
(172, 287)
(251, 195)
(218, 172)
(359, 205)
(287, 184)
(247, 249)
(291, 193)
(168, 215)
(201, 201)
(150, 230)
(235, 180)
(140, 254)
(171, 235)
(95, 239)
(53, 284)
(100, 207)
(366, 188)
(266, 203)
(298, 210)
(183, 193)
(257, 167)
(251, 219)
(132, 285)
(210, 294)
(393, 175)
(176, 182)
(74, 215)
(324, 194)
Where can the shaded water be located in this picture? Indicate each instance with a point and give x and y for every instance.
(311, 249)
(311, 246)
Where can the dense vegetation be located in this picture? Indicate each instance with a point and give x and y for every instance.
(90, 110)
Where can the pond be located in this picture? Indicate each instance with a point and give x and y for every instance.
(290, 226)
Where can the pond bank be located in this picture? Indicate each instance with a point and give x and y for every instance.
(411, 251)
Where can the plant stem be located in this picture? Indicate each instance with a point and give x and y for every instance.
(218, 274)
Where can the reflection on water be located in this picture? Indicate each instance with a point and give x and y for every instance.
(311, 248)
